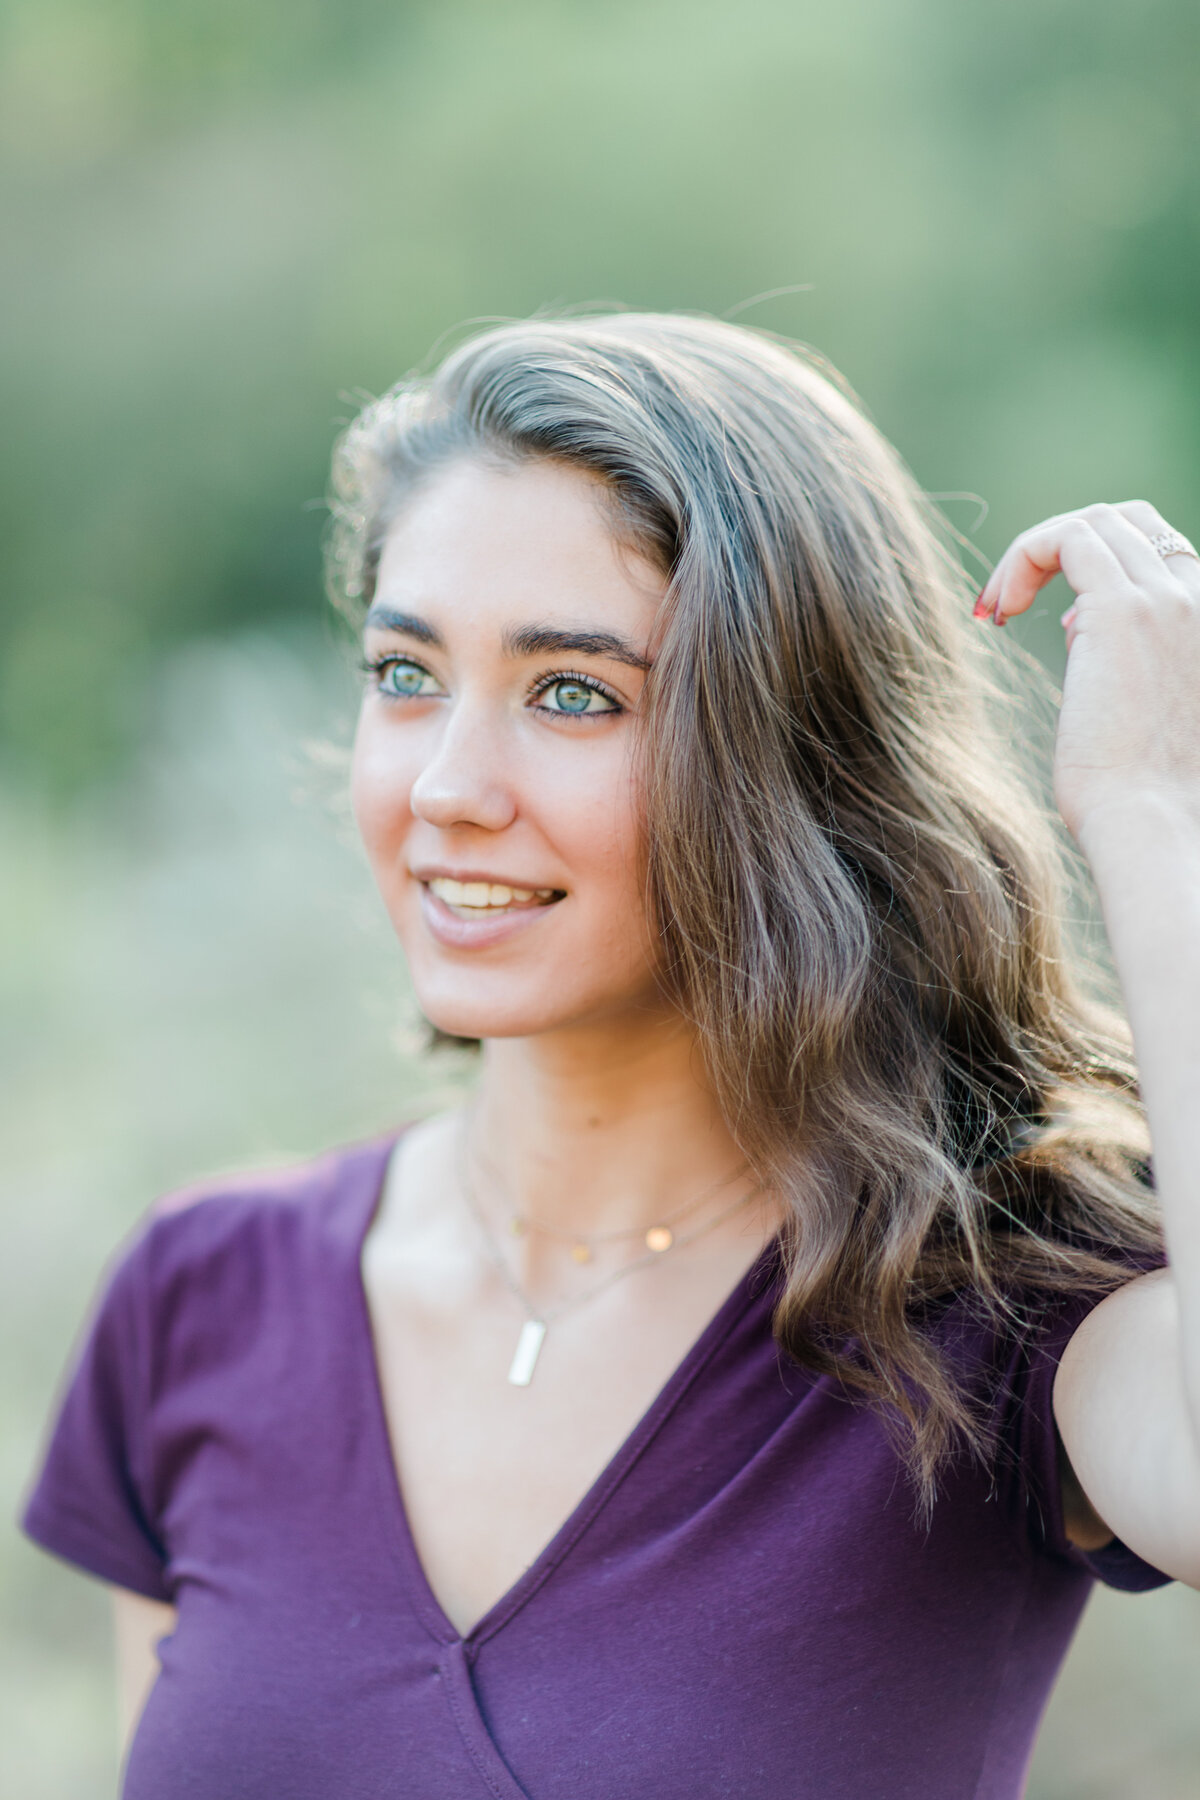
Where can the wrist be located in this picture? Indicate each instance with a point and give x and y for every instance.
(1143, 823)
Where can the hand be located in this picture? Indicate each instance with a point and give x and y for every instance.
(1129, 728)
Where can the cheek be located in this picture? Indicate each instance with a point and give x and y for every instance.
(598, 833)
(380, 784)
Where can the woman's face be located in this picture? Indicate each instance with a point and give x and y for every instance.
(494, 772)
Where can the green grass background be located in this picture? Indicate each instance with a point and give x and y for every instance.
(221, 222)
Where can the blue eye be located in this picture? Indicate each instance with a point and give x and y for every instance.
(405, 680)
(576, 697)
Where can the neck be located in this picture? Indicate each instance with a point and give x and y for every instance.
(604, 1129)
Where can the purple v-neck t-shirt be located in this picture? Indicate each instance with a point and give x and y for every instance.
(742, 1605)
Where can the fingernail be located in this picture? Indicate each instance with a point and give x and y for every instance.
(998, 617)
(981, 609)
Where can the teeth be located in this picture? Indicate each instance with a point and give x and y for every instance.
(483, 894)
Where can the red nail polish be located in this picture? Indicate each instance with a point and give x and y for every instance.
(981, 609)
(998, 617)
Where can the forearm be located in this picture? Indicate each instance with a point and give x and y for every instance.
(1145, 856)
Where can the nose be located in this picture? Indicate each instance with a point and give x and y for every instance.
(465, 781)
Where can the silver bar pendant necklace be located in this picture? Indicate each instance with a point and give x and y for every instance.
(658, 1239)
(529, 1345)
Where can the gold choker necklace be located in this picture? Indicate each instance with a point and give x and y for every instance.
(658, 1240)
(584, 1245)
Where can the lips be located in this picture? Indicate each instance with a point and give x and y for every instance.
(475, 913)
(486, 897)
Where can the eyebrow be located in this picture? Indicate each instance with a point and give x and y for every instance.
(549, 640)
(521, 640)
(385, 618)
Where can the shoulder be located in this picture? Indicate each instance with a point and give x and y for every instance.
(1001, 1351)
(280, 1198)
(233, 1238)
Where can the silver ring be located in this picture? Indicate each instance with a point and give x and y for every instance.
(1173, 543)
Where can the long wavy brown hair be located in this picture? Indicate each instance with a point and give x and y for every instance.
(860, 899)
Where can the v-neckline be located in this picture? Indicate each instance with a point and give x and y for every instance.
(748, 1289)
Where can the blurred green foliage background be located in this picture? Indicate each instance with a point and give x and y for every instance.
(223, 222)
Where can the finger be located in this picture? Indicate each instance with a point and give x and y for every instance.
(1145, 565)
(985, 605)
(1069, 546)
(1130, 544)
(1150, 522)
(1141, 513)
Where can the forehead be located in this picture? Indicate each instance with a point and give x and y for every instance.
(533, 538)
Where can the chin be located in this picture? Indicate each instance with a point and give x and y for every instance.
(513, 1015)
(473, 1023)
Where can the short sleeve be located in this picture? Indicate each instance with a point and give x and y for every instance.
(1030, 1438)
(90, 1501)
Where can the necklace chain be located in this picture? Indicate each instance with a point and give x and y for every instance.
(539, 1319)
(658, 1237)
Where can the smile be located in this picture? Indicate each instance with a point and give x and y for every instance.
(486, 899)
(481, 915)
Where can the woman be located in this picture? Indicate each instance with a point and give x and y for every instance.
(740, 1394)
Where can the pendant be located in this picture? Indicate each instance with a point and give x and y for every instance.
(659, 1238)
(581, 1253)
(528, 1349)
